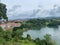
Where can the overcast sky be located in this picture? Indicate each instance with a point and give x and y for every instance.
(19, 6)
(31, 4)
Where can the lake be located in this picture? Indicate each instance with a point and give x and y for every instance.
(55, 33)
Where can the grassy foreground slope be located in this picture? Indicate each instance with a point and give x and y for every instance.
(9, 37)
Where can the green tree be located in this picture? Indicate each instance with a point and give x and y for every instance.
(7, 35)
(28, 37)
(1, 29)
(49, 40)
(17, 35)
(3, 11)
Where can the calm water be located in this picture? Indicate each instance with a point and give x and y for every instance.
(55, 33)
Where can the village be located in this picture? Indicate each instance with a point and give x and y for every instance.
(9, 24)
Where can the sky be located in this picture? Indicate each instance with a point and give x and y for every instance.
(20, 6)
(31, 4)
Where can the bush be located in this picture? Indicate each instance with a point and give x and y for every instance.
(1, 29)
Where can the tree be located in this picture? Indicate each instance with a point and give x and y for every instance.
(37, 40)
(7, 35)
(3, 11)
(1, 29)
(28, 37)
(49, 40)
(17, 35)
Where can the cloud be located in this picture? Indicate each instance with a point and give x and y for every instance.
(14, 8)
(36, 13)
(55, 12)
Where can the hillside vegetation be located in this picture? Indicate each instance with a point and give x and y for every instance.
(15, 38)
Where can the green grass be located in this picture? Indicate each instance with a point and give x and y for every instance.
(20, 42)
(26, 42)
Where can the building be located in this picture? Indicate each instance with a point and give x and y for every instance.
(9, 25)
